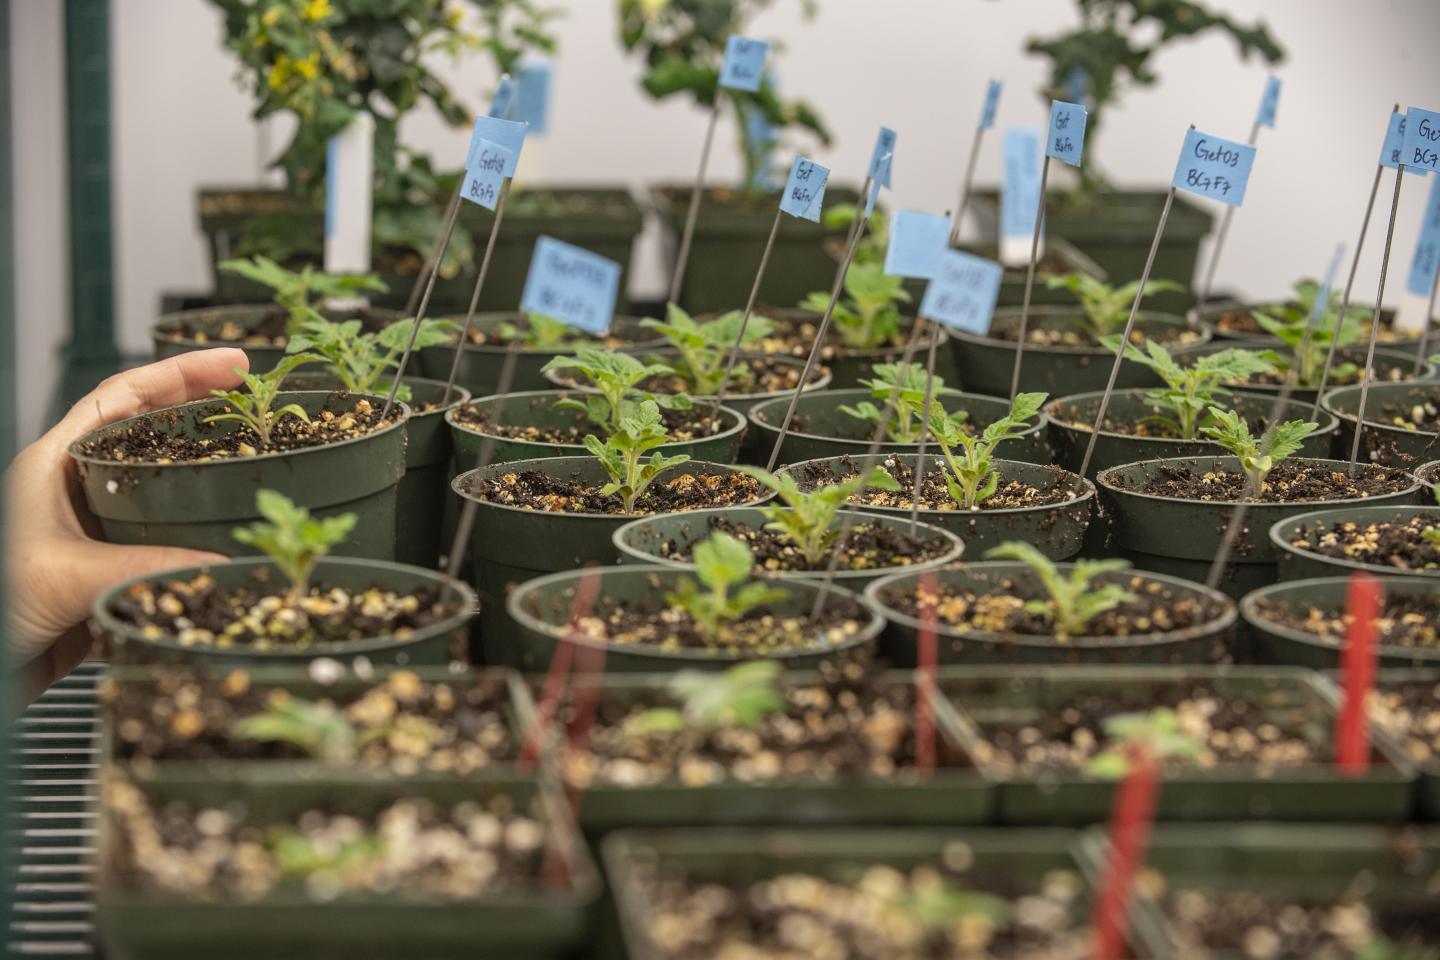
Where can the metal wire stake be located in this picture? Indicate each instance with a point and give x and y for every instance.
(1375, 321)
(487, 449)
(432, 262)
(419, 315)
(683, 256)
(479, 285)
(924, 422)
(1224, 231)
(745, 320)
(1030, 277)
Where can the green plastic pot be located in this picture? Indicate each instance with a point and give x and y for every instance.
(522, 922)
(1276, 643)
(1428, 472)
(1004, 861)
(1299, 564)
(168, 343)
(952, 795)
(850, 365)
(821, 429)
(439, 643)
(1056, 531)
(538, 407)
(987, 363)
(1382, 442)
(510, 545)
(482, 364)
(729, 238)
(1427, 805)
(1388, 366)
(541, 608)
(1112, 449)
(197, 505)
(640, 541)
(1182, 537)
(1201, 644)
(1058, 251)
(987, 696)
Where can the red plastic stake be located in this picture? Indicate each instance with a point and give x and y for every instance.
(559, 669)
(1131, 818)
(1363, 606)
(926, 658)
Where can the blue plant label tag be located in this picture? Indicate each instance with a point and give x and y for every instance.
(502, 133)
(485, 175)
(963, 291)
(1427, 248)
(744, 64)
(1421, 149)
(882, 176)
(1269, 100)
(1066, 139)
(503, 103)
(572, 285)
(532, 96)
(1213, 167)
(992, 104)
(1020, 190)
(805, 189)
(884, 145)
(1077, 85)
(916, 242)
(1322, 298)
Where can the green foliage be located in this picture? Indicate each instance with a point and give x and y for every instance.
(805, 519)
(1106, 308)
(636, 434)
(705, 345)
(1190, 391)
(299, 291)
(871, 248)
(1432, 534)
(940, 906)
(741, 697)
(909, 401)
(1257, 457)
(317, 728)
(292, 538)
(722, 563)
(1158, 732)
(541, 332)
(1074, 601)
(616, 376)
(360, 359)
(301, 855)
(251, 406)
(1381, 947)
(868, 315)
(970, 474)
(1289, 321)
(514, 28)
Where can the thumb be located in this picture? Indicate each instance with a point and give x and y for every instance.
(94, 567)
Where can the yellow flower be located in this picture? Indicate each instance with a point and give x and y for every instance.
(454, 16)
(318, 9)
(309, 68)
(270, 16)
(281, 72)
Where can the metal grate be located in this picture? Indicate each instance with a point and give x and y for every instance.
(51, 828)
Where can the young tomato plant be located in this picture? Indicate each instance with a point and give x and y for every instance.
(1072, 601)
(251, 406)
(539, 332)
(362, 359)
(705, 346)
(299, 292)
(1105, 308)
(1257, 457)
(970, 475)
(869, 313)
(910, 412)
(805, 519)
(740, 697)
(324, 731)
(1288, 323)
(617, 376)
(723, 595)
(292, 538)
(1157, 732)
(622, 454)
(1190, 391)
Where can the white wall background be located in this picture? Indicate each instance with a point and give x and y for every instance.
(920, 66)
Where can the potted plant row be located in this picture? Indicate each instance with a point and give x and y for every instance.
(1384, 541)
(1402, 421)
(1304, 622)
(1235, 320)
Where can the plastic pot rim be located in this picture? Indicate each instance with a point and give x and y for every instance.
(1372, 426)
(1073, 352)
(1283, 544)
(1042, 420)
(1250, 603)
(158, 335)
(452, 418)
(1139, 393)
(1103, 479)
(501, 349)
(820, 382)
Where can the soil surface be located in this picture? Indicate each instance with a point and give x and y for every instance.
(269, 331)
(682, 425)
(868, 546)
(1242, 321)
(1419, 413)
(861, 911)
(402, 723)
(1408, 620)
(468, 851)
(262, 614)
(495, 337)
(796, 337)
(1400, 544)
(1337, 377)
(674, 491)
(150, 439)
(1010, 494)
(1071, 334)
(753, 374)
(1409, 710)
(1082, 417)
(1155, 609)
(1291, 481)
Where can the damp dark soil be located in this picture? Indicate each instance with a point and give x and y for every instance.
(1408, 620)
(794, 337)
(263, 615)
(868, 546)
(753, 374)
(1409, 710)
(516, 327)
(1241, 321)
(934, 495)
(402, 723)
(150, 439)
(1420, 413)
(1228, 731)
(860, 911)
(849, 727)
(1082, 417)
(269, 331)
(1401, 544)
(1291, 481)
(1072, 334)
(1340, 376)
(1156, 608)
(682, 426)
(674, 492)
(473, 849)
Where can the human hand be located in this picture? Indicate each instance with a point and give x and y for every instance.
(56, 566)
